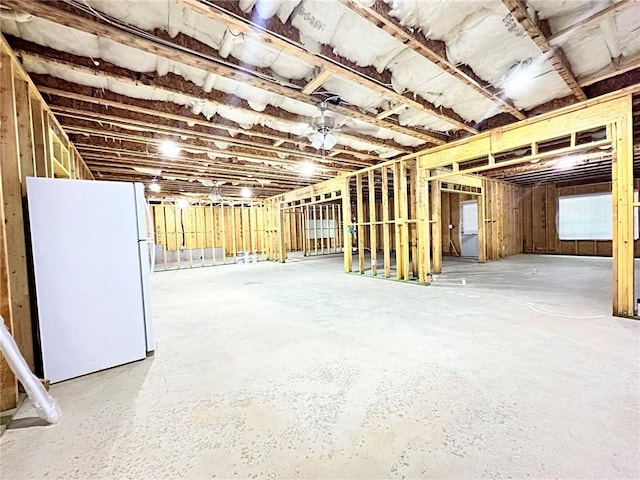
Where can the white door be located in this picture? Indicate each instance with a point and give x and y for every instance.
(469, 228)
(87, 273)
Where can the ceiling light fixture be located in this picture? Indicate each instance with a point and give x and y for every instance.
(246, 192)
(518, 78)
(307, 169)
(169, 149)
(155, 187)
(565, 163)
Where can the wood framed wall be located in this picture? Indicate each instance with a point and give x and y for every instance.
(501, 206)
(32, 143)
(207, 234)
(314, 229)
(540, 221)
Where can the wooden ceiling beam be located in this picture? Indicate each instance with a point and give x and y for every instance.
(286, 38)
(210, 174)
(554, 54)
(107, 100)
(563, 35)
(128, 151)
(379, 15)
(276, 114)
(317, 82)
(189, 51)
(149, 139)
(625, 64)
(62, 113)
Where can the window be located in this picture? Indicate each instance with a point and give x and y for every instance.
(588, 217)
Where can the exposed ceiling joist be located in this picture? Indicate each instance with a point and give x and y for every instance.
(432, 50)
(563, 35)
(105, 74)
(125, 122)
(229, 13)
(161, 111)
(625, 64)
(317, 82)
(204, 58)
(555, 55)
(147, 139)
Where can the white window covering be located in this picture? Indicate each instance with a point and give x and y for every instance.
(588, 217)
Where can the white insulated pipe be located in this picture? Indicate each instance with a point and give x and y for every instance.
(46, 407)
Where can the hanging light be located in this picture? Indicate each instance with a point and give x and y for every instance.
(155, 187)
(215, 195)
(169, 149)
(246, 192)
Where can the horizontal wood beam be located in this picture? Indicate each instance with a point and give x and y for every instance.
(624, 65)
(125, 122)
(168, 112)
(554, 54)
(317, 82)
(378, 15)
(563, 35)
(275, 114)
(195, 54)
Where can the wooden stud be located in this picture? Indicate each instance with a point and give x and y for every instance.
(223, 234)
(413, 232)
(386, 240)
(372, 219)
(436, 225)
(622, 195)
(360, 222)
(40, 138)
(346, 219)
(482, 226)
(14, 217)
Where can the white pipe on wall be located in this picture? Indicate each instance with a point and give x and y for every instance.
(46, 407)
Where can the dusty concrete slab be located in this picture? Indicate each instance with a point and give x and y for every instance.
(301, 371)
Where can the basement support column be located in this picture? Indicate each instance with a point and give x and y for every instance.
(622, 195)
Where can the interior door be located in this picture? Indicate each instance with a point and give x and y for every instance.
(469, 228)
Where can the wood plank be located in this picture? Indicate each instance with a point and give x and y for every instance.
(482, 228)
(14, 217)
(436, 225)
(25, 133)
(8, 383)
(346, 219)
(622, 194)
(360, 221)
(563, 35)
(40, 138)
(412, 215)
(373, 240)
(386, 240)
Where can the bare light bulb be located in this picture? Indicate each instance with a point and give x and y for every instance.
(307, 169)
(155, 187)
(169, 149)
(246, 192)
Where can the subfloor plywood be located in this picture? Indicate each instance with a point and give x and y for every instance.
(301, 371)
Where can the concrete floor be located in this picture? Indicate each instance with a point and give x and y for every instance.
(301, 371)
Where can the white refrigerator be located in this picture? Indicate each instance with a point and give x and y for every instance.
(92, 245)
